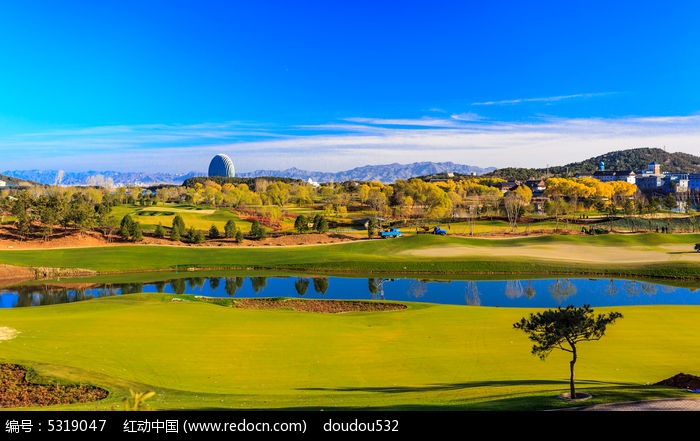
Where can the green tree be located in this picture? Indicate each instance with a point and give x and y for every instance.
(159, 231)
(126, 228)
(108, 224)
(214, 232)
(198, 237)
(137, 232)
(179, 225)
(175, 234)
(257, 231)
(81, 212)
(239, 236)
(21, 209)
(301, 224)
(564, 328)
(320, 224)
(372, 226)
(51, 210)
(230, 229)
(669, 202)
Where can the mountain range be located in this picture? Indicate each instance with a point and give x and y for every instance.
(385, 173)
(630, 159)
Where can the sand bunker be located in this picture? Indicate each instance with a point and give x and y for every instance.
(7, 333)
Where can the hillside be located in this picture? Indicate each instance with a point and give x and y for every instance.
(10, 180)
(631, 159)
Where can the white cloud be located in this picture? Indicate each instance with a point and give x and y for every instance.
(548, 99)
(351, 143)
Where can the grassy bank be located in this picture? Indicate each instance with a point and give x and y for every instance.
(197, 355)
(644, 255)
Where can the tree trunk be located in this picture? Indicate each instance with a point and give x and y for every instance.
(571, 378)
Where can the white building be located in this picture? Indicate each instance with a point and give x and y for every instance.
(3, 183)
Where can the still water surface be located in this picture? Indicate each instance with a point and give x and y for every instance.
(503, 293)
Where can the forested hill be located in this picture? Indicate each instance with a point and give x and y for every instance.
(631, 159)
(9, 180)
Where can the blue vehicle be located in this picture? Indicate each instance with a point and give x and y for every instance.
(440, 231)
(390, 233)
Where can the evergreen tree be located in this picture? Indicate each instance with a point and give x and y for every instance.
(138, 232)
(230, 229)
(179, 225)
(257, 231)
(126, 227)
(322, 226)
(214, 232)
(301, 224)
(190, 235)
(159, 231)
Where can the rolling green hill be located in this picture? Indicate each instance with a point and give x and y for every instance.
(631, 159)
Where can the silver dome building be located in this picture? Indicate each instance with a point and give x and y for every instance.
(221, 165)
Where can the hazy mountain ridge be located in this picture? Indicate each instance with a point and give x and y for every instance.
(93, 177)
(631, 159)
(386, 173)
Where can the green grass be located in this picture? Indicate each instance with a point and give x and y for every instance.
(197, 355)
(197, 217)
(375, 256)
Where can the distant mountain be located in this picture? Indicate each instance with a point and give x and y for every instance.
(386, 173)
(631, 159)
(99, 177)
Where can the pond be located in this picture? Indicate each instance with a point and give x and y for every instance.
(537, 293)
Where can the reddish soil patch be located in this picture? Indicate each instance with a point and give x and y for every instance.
(73, 239)
(682, 381)
(16, 391)
(324, 306)
(11, 275)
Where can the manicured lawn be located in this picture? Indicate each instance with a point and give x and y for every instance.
(419, 254)
(200, 355)
(200, 219)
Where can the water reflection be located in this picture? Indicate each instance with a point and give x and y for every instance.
(52, 295)
(417, 289)
(612, 288)
(561, 289)
(258, 284)
(471, 293)
(320, 285)
(508, 293)
(301, 285)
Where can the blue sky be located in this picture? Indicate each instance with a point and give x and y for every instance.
(325, 85)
